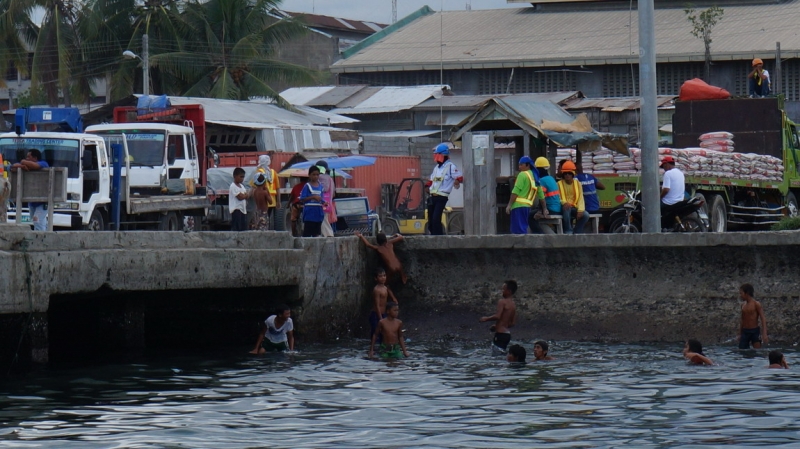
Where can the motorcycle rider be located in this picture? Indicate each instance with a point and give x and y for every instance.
(673, 187)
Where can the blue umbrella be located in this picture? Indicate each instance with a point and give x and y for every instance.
(335, 163)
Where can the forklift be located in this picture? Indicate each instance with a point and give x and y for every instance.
(404, 208)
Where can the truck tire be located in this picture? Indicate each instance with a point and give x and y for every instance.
(97, 222)
(170, 222)
(791, 205)
(280, 218)
(717, 214)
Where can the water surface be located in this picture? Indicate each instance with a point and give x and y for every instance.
(448, 395)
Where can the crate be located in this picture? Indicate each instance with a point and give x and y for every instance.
(354, 215)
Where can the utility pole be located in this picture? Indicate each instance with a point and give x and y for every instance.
(145, 65)
(651, 198)
(778, 80)
(394, 11)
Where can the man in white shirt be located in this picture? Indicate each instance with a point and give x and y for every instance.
(673, 186)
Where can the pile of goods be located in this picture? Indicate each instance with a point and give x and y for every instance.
(714, 158)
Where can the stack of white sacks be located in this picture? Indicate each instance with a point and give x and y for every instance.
(714, 158)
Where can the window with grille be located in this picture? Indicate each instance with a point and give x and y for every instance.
(670, 77)
(526, 80)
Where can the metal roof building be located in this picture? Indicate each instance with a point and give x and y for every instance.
(595, 51)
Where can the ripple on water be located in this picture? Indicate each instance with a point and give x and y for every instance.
(459, 396)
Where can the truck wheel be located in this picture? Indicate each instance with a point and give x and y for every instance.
(170, 222)
(791, 205)
(96, 222)
(280, 218)
(717, 214)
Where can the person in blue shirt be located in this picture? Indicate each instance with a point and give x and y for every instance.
(590, 187)
(311, 198)
(33, 161)
(551, 194)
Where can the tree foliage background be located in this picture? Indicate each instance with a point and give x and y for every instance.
(214, 48)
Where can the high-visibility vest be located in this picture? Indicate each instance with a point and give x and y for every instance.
(528, 200)
(562, 188)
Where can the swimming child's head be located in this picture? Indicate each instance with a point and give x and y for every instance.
(283, 311)
(516, 353)
(775, 357)
(540, 349)
(380, 276)
(693, 345)
(380, 238)
(392, 309)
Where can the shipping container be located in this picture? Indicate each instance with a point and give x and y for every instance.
(387, 170)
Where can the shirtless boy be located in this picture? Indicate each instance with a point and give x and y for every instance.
(391, 330)
(385, 249)
(693, 352)
(505, 316)
(380, 294)
(749, 332)
(777, 360)
(540, 350)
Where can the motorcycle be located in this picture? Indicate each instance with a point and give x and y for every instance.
(686, 216)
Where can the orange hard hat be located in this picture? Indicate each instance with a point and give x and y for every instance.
(757, 62)
(569, 166)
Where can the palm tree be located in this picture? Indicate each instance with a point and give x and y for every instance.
(231, 52)
(16, 29)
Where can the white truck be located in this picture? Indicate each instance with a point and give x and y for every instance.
(157, 183)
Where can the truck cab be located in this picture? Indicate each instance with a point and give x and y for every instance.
(85, 158)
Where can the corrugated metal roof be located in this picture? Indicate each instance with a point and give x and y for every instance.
(526, 37)
(623, 103)
(420, 133)
(304, 95)
(392, 99)
(257, 111)
(319, 21)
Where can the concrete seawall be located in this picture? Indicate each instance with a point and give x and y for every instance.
(220, 285)
(661, 287)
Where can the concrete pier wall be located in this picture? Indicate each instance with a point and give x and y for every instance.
(595, 287)
(662, 287)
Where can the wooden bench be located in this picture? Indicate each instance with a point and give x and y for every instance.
(558, 222)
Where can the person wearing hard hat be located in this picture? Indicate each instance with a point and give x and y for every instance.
(444, 178)
(758, 84)
(522, 197)
(572, 204)
(552, 199)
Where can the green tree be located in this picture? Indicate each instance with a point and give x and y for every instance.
(231, 53)
(702, 24)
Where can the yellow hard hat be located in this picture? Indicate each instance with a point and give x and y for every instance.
(542, 162)
(757, 62)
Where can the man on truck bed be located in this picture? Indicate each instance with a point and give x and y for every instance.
(758, 84)
(672, 187)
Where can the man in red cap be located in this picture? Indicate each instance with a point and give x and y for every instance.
(673, 186)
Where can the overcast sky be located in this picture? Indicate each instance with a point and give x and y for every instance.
(381, 10)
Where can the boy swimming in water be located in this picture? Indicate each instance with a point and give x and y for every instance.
(380, 294)
(505, 316)
(391, 330)
(693, 352)
(777, 360)
(516, 353)
(540, 350)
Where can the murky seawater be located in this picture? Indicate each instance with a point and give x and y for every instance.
(446, 395)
